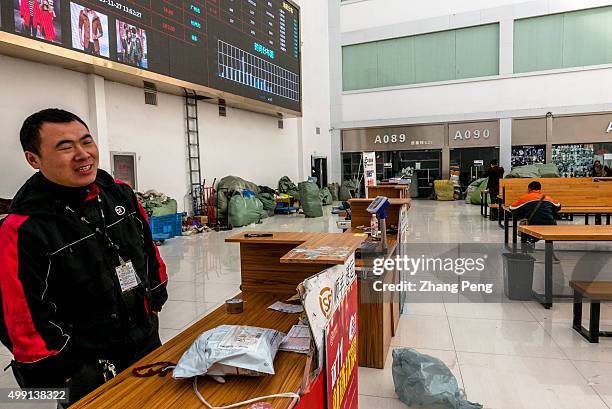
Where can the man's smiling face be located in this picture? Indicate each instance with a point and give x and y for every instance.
(68, 154)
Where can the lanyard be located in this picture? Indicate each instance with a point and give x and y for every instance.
(102, 233)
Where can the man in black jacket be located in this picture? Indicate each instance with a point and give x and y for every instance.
(495, 173)
(81, 281)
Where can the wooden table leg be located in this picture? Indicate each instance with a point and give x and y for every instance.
(506, 227)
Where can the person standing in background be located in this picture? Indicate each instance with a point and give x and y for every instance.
(495, 173)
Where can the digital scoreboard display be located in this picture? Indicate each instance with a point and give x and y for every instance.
(249, 48)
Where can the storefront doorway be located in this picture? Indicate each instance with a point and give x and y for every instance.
(319, 170)
(472, 162)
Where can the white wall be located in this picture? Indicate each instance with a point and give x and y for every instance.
(246, 144)
(26, 88)
(155, 133)
(315, 83)
(522, 95)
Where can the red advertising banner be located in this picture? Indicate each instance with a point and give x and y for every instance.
(341, 353)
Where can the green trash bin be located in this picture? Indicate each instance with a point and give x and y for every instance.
(518, 276)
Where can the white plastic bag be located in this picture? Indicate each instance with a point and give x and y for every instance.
(231, 350)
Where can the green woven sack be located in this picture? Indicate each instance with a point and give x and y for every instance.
(244, 210)
(310, 200)
(326, 197)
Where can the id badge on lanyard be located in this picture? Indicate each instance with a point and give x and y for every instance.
(126, 273)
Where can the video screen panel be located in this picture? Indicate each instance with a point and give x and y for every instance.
(249, 48)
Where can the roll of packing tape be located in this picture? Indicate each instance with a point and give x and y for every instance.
(234, 306)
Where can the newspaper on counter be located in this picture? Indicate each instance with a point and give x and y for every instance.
(287, 308)
(297, 340)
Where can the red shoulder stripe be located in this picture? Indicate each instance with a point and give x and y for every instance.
(28, 345)
(163, 275)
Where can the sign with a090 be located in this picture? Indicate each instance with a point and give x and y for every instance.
(401, 138)
(474, 134)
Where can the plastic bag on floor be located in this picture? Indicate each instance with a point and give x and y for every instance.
(425, 380)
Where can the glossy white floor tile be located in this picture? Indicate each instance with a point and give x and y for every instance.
(425, 308)
(575, 347)
(520, 338)
(509, 382)
(510, 311)
(420, 331)
(178, 314)
(206, 291)
(598, 375)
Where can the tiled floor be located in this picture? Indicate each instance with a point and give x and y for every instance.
(505, 355)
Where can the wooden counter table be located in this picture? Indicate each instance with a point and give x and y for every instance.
(389, 191)
(127, 391)
(277, 264)
(379, 313)
(361, 217)
(551, 234)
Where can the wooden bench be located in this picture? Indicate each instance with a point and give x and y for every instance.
(578, 196)
(595, 291)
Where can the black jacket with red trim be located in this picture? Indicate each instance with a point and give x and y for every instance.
(61, 299)
(545, 215)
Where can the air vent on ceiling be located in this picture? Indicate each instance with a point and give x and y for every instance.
(150, 93)
(222, 108)
(318, 130)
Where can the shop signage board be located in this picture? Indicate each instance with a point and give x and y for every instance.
(473, 134)
(573, 129)
(330, 301)
(400, 138)
(369, 168)
(341, 353)
(321, 294)
(528, 131)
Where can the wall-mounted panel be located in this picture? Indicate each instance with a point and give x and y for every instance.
(528, 131)
(400, 138)
(441, 56)
(565, 40)
(582, 129)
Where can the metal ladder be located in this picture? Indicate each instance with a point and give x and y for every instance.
(193, 151)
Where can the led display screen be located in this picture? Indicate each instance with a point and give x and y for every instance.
(249, 48)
